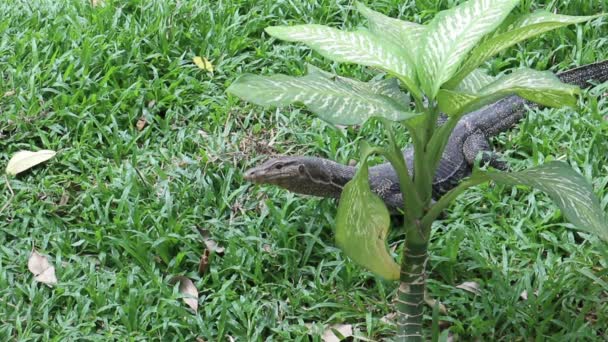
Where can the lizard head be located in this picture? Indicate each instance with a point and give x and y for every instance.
(305, 175)
(285, 172)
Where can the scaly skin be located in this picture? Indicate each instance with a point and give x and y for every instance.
(325, 178)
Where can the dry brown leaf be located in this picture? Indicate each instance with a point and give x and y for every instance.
(210, 243)
(203, 265)
(329, 335)
(187, 288)
(24, 160)
(203, 63)
(64, 199)
(214, 247)
(470, 286)
(141, 123)
(41, 268)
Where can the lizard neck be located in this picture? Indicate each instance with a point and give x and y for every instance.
(322, 177)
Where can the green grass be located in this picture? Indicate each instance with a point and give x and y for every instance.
(83, 76)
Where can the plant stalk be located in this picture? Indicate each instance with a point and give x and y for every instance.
(410, 295)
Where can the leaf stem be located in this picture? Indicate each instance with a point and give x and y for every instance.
(446, 199)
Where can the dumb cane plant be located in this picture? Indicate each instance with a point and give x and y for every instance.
(437, 64)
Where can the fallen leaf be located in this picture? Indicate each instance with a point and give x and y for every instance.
(187, 288)
(214, 247)
(141, 123)
(524, 295)
(431, 303)
(41, 268)
(9, 93)
(210, 243)
(64, 199)
(203, 265)
(96, 3)
(470, 286)
(345, 330)
(24, 160)
(389, 318)
(203, 63)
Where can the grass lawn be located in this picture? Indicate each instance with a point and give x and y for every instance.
(119, 209)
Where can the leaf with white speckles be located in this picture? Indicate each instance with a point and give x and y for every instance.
(452, 34)
(527, 26)
(360, 47)
(541, 87)
(568, 189)
(335, 99)
(400, 32)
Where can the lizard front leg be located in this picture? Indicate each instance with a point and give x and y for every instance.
(476, 144)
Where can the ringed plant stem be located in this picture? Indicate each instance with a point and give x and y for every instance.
(410, 295)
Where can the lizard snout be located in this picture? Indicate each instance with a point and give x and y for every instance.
(254, 175)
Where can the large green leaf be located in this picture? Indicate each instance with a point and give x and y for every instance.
(570, 191)
(362, 224)
(526, 27)
(361, 47)
(402, 33)
(335, 99)
(542, 87)
(475, 81)
(382, 86)
(452, 34)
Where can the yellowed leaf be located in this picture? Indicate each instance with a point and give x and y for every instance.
(203, 63)
(187, 288)
(24, 160)
(41, 268)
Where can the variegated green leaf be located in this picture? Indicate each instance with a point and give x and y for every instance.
(362, 224)
(526, 27)
(402, 33)
(360, 47)
(570, 191)
(475, 81)
(381, 86)
(390, 87)
(335, 99)
(537, 86)
(452, 34)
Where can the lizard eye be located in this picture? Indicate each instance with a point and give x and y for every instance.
(278, 166)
